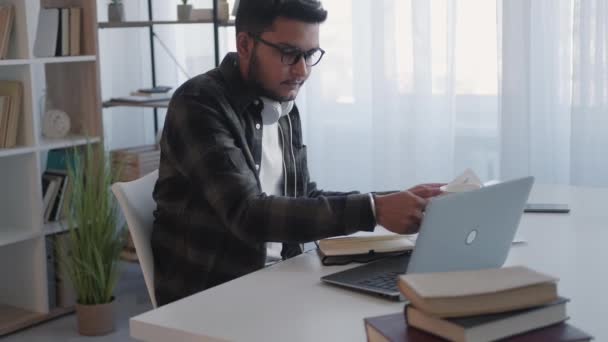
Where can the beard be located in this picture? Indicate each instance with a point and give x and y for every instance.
(255, 80)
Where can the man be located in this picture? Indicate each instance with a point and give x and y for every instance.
(233, 174)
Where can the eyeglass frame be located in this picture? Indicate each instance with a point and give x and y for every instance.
(285, 51)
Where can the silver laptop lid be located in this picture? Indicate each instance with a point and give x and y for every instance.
(470, 230)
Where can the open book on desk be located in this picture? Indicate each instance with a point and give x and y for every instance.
(364, 246)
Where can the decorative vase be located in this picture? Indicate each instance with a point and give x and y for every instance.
(116, 13)
(183, 12)
(223, 11)
(95, 320)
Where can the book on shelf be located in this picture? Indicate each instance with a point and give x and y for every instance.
(58, 159)
(7, 18)
(59, 32)
(66, 295)
(49, 190)
(51, 272)
(155, 90)
(5, 103)
(9, 128)
(395, 328)
(153, 96)
(51, 193)
(489, 327)
(466, 293)
(75, 35)
(45, 44)
(64, 47)
(56, 174)
(57, 209)
(142, 98)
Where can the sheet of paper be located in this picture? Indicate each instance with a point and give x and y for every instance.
(466, 181)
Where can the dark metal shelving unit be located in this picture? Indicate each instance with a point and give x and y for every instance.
(150, 25)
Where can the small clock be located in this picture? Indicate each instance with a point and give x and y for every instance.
(55, 124)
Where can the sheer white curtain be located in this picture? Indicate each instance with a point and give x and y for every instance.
(555, 91)
(415, 91)
(407, 93)
(418, 90)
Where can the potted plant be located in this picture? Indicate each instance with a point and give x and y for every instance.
(184, 10)
(91, 251)
(115, 11)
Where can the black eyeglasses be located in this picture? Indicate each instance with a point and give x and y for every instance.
(292, 55)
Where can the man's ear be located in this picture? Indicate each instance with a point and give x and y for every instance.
(244, 45)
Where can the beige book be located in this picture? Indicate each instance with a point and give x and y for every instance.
(14, 90)
(7, 15)
(378, 241)
(465, 293)
(65, 32)
(75, 13)
(5, 102)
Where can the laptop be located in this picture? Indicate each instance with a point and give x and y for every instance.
(460, 231)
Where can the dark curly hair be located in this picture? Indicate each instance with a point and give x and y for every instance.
(257, 16)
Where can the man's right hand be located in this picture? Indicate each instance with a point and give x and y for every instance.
(402, 212)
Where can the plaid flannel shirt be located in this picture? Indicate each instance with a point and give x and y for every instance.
(212, 220)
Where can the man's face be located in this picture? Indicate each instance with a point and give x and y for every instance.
(267, 69)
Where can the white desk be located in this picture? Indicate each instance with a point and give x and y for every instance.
(287, 302)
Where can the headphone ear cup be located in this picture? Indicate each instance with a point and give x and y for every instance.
(271, 111)
(286, 107)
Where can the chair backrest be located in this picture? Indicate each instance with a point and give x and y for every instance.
(137, 204)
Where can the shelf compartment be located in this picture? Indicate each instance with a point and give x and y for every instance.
(20, 207)
(84, 111)
(18, 40)
(25, 281)
(88, 32)
(25, 125)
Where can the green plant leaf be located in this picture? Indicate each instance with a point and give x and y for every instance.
(91, 253)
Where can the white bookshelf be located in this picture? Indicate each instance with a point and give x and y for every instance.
(72, 85)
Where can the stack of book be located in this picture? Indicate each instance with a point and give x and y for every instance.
(11, 97)
(135, 162)
(7, 17)
(59, 32)
(514, 303)
(155, 94)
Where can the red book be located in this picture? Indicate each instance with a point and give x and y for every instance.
(394, 328)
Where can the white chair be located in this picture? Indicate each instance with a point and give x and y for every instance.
(135, 199)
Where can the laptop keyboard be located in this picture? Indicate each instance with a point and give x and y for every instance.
(386, 281)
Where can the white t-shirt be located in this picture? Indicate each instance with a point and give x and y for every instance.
(271, 168)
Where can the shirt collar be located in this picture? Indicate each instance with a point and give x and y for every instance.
(241, 94)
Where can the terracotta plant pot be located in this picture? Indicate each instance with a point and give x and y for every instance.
(116, 13)
(95, 320)
(183, 12)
